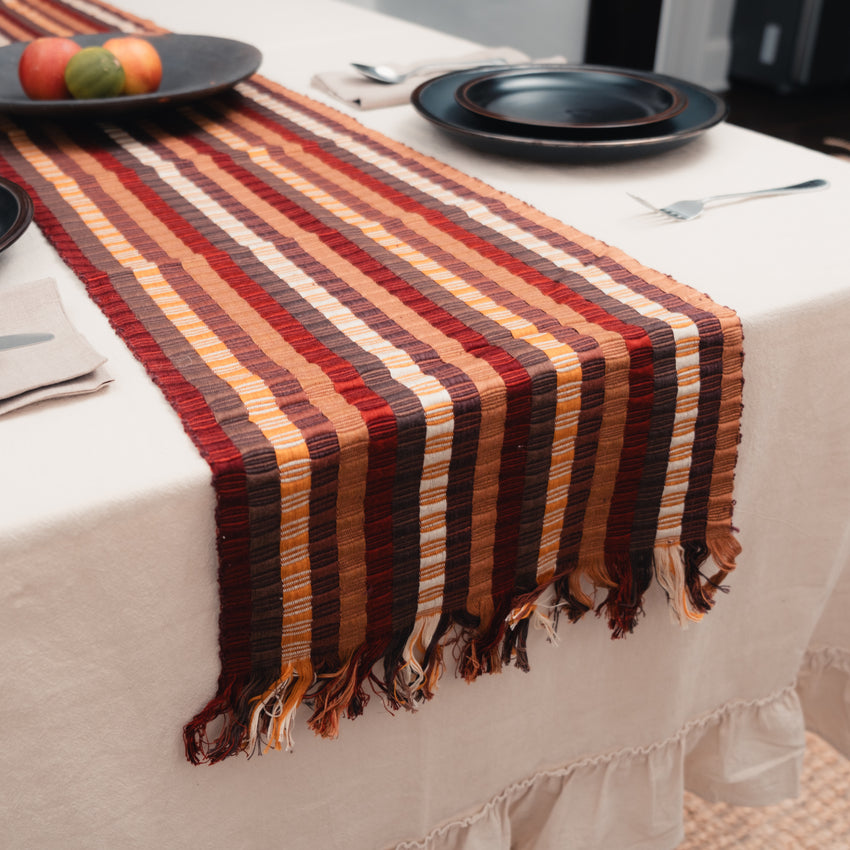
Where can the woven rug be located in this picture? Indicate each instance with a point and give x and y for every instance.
(819, 819)
(424, 403)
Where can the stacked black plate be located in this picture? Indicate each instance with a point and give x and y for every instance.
(16, 211)
(568, 112)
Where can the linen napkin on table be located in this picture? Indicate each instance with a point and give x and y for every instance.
(355, 89)
(63, 366)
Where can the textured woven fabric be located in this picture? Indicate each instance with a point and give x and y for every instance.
(424, 404)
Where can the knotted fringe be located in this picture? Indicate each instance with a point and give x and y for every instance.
(413, 664)
(670, 574)
(245, 711)
(341, 693)
(632, 574)
(230, 737)
(415, 679)
(274, 712)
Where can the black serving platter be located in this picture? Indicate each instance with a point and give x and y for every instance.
(435, 100)
(193, 66)
(571, 97)
(16, 212)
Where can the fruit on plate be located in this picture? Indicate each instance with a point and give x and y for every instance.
(94, 72)
(41, 68)
(141, 63)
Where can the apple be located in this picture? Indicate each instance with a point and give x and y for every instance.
(141, 63)
(41, 68)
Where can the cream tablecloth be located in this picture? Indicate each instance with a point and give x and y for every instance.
(108, 634)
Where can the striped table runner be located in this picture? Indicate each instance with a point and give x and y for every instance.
(433, 415)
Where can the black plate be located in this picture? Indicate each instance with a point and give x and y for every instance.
(15, 212)
(193, 66)
(572, 97)
(435, 101)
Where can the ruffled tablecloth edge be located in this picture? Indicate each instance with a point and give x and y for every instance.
(746, 753)
(824, 689)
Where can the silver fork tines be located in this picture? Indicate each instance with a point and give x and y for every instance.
(686, 210)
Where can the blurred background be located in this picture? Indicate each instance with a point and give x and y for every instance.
(783, 65)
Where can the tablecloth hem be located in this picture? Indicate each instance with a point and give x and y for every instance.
(824, 688)
(749, 751)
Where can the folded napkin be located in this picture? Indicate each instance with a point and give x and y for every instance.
(65, 365)
(357, 90)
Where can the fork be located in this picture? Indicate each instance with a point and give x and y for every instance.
(686, 210)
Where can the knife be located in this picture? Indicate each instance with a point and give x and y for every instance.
(20, 340)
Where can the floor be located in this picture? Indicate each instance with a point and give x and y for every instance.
(819, 819)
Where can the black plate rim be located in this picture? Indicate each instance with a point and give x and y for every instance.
(24, 214)
(13, 101)
(678, 100)
(501, 137)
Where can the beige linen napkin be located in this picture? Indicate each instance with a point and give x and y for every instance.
(65, 365)
(355, 89)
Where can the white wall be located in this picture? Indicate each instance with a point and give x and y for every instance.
(538, 27)
(693, 41)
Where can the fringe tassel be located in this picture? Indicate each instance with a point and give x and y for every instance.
(483, 652)
(433, 662)
(413, 664)
(200, 749)
(623, 602)
(340, 693)
(514, 645)
(525, 614)
(410, 677)
(695, 555)
(670, 574)
(724, 549)
(273, 713)
(572, 595)
(597, 571)
(548, 622)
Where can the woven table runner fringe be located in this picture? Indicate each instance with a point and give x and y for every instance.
(264, 721)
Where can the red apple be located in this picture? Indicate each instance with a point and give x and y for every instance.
(41, 68)
(141, 63)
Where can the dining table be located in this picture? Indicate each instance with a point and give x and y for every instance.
(109, 567)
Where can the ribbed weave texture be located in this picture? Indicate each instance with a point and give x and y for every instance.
(423, 402)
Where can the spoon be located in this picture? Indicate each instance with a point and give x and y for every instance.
(391, 76)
